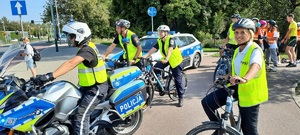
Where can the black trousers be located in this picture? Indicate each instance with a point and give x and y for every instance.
(249, 115)
(91, 97)
(176, 73)
(138, 64)
(298, 51)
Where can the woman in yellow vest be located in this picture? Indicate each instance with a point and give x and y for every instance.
(91, 73)
(134, 49)
(171, 56)
(249, 67)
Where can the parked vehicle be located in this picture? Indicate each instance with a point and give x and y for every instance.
(191, 49)
(26, 108)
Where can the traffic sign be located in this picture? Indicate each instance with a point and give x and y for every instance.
(18, 7)
(152, 11)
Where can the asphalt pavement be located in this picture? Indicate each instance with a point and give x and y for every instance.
(280, 83)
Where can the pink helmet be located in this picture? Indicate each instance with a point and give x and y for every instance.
(263, 22)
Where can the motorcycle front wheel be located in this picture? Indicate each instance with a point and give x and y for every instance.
(132, 124)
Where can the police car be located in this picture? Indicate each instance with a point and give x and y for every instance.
(190, 48)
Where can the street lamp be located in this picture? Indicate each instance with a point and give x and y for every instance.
(53, 21)
(57, 19)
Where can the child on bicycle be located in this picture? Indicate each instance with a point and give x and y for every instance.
(248, 66)
(171, 56)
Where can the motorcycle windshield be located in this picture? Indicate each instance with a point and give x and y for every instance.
(8, 56)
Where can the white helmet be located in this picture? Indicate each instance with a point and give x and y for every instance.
(81, 31)
(163, 28)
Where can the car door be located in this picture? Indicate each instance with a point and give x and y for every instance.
(183, 43)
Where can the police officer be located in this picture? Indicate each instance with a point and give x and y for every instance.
(91, 73)
(171, 56)
(133, 46)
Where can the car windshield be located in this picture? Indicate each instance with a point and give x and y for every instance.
(147, 43)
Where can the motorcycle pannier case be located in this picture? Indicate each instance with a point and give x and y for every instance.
(122, 76)
(129, 98)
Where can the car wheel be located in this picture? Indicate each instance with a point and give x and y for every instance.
(196, 60)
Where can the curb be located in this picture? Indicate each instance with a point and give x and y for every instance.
(295, 97)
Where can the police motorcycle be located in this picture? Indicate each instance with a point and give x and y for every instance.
(112, 63)
(47, 110)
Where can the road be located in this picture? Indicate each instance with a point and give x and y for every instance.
(279, 116)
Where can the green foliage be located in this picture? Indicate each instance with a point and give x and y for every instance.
(93, 12)
(201, 36)
(211, 43)
(191, 16)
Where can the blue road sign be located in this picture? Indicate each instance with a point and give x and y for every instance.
(152, 11)
(18, 7)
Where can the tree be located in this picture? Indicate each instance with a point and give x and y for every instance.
(93, 12)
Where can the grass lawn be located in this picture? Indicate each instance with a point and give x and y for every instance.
(210, 49)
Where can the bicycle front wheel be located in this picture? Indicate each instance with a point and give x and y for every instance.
(171, 87)
(212, 129)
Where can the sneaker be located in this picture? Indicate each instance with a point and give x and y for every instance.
(289, 65)
(180, 102)
(273, 68)
(279, 63)
(293, 65)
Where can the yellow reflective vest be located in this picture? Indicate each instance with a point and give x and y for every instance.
(231, 39)
(255, 91)
(175, 58)
(130, 47)
(90, 76)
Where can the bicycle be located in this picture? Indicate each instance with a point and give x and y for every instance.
(221, 126)
(165, 83)
(224, 66)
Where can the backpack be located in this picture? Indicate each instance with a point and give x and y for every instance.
(36, 54)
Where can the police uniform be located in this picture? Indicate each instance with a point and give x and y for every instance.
(131, 47)
(93, 86)
(174, 61)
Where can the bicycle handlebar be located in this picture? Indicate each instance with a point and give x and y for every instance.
(148, 59)
(224, 82)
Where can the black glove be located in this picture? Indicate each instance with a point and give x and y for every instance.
(42, 79)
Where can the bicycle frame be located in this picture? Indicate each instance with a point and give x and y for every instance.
(151, 72)
(228, 114)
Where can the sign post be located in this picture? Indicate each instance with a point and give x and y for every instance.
(18, 7)
(152, 12)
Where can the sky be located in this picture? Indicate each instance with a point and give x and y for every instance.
(34, 9)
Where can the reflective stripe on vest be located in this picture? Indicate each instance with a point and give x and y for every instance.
(175, 58)
(255, 91)
(90, 76)
(231, 39)
(270, 37)
(130, 47)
